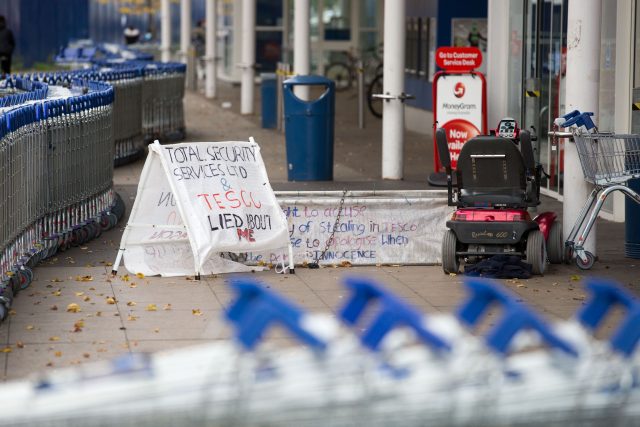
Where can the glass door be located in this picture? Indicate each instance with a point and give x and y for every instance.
(545, 26)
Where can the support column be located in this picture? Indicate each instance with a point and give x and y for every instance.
(210, 53)
(248, 56)
(165, 25)
(301, 45)
(185, 30)
(393, 85)
(582, 93)
(497, 60)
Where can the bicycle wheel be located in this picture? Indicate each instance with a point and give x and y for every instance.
(339, 72)
(375, 104)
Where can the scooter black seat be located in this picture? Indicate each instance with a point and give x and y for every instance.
(491, 172)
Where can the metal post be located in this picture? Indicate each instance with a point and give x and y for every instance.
(301, 47)
(582, 93)
(361, 94)
(248, 56)
(210, 53)
(393, 82)
(279, 103)
(165, 18)
(185, 30)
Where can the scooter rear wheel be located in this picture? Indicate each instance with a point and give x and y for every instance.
(555, 244)
(450, 262)
(536, 251)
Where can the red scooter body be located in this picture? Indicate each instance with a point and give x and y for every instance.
(545, 220)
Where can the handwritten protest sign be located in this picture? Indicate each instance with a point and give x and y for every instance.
(196, 200)
(382, 228)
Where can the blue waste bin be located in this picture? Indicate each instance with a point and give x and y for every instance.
(269, 100)
(309, 130)
(632, 226)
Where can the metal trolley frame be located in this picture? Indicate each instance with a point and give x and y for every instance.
(608, 161)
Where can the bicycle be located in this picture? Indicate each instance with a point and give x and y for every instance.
(375, 87)
(345, 73)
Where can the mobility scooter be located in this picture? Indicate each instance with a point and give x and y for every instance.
(496, 184)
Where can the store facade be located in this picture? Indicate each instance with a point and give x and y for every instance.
(530, 58)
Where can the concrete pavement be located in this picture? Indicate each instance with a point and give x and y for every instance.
(114, 315)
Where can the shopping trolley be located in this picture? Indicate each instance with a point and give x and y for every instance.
(608, 161)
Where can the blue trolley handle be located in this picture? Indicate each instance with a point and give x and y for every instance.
(516, 317)
(256, 308)
(604, 296)
(393, 313)
(582, 119)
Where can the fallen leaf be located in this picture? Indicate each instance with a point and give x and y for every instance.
(58, 353)
(452, 274)
(111, 300)
(98, 314)
(7, 349)
(73, 308)
(84, 278)
(86, 355)
(56, 293)
(108, 264)
(56, 280)
(30, 327)
(101, 350)
(140, 275)
(79, 294)
(86, 299)
(575, 277)
(196, 312)
(151, 307)
(84, 248)
(125, 278)
(53, 307)
(12, 312)
(345, 264)
(131, 303)
(131, 317)
(49, 364)
(132, 285)
(92, 288)
(20, 344)
(156, 330)
(167, 307)
(78, 325)
(54, 338)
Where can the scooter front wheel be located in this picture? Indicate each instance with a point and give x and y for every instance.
(450, 261)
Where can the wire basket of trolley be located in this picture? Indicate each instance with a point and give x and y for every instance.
(608, 161)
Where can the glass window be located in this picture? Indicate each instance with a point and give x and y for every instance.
(606, 104)
(636, 80)
(336, 17)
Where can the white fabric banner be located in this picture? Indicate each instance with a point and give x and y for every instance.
(397, 228)
(196, 200)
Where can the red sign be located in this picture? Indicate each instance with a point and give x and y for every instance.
(458, 59)
(458, 132)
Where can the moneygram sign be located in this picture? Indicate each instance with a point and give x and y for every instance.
(459, 98)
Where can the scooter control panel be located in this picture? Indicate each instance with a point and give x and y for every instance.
(508, 128)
